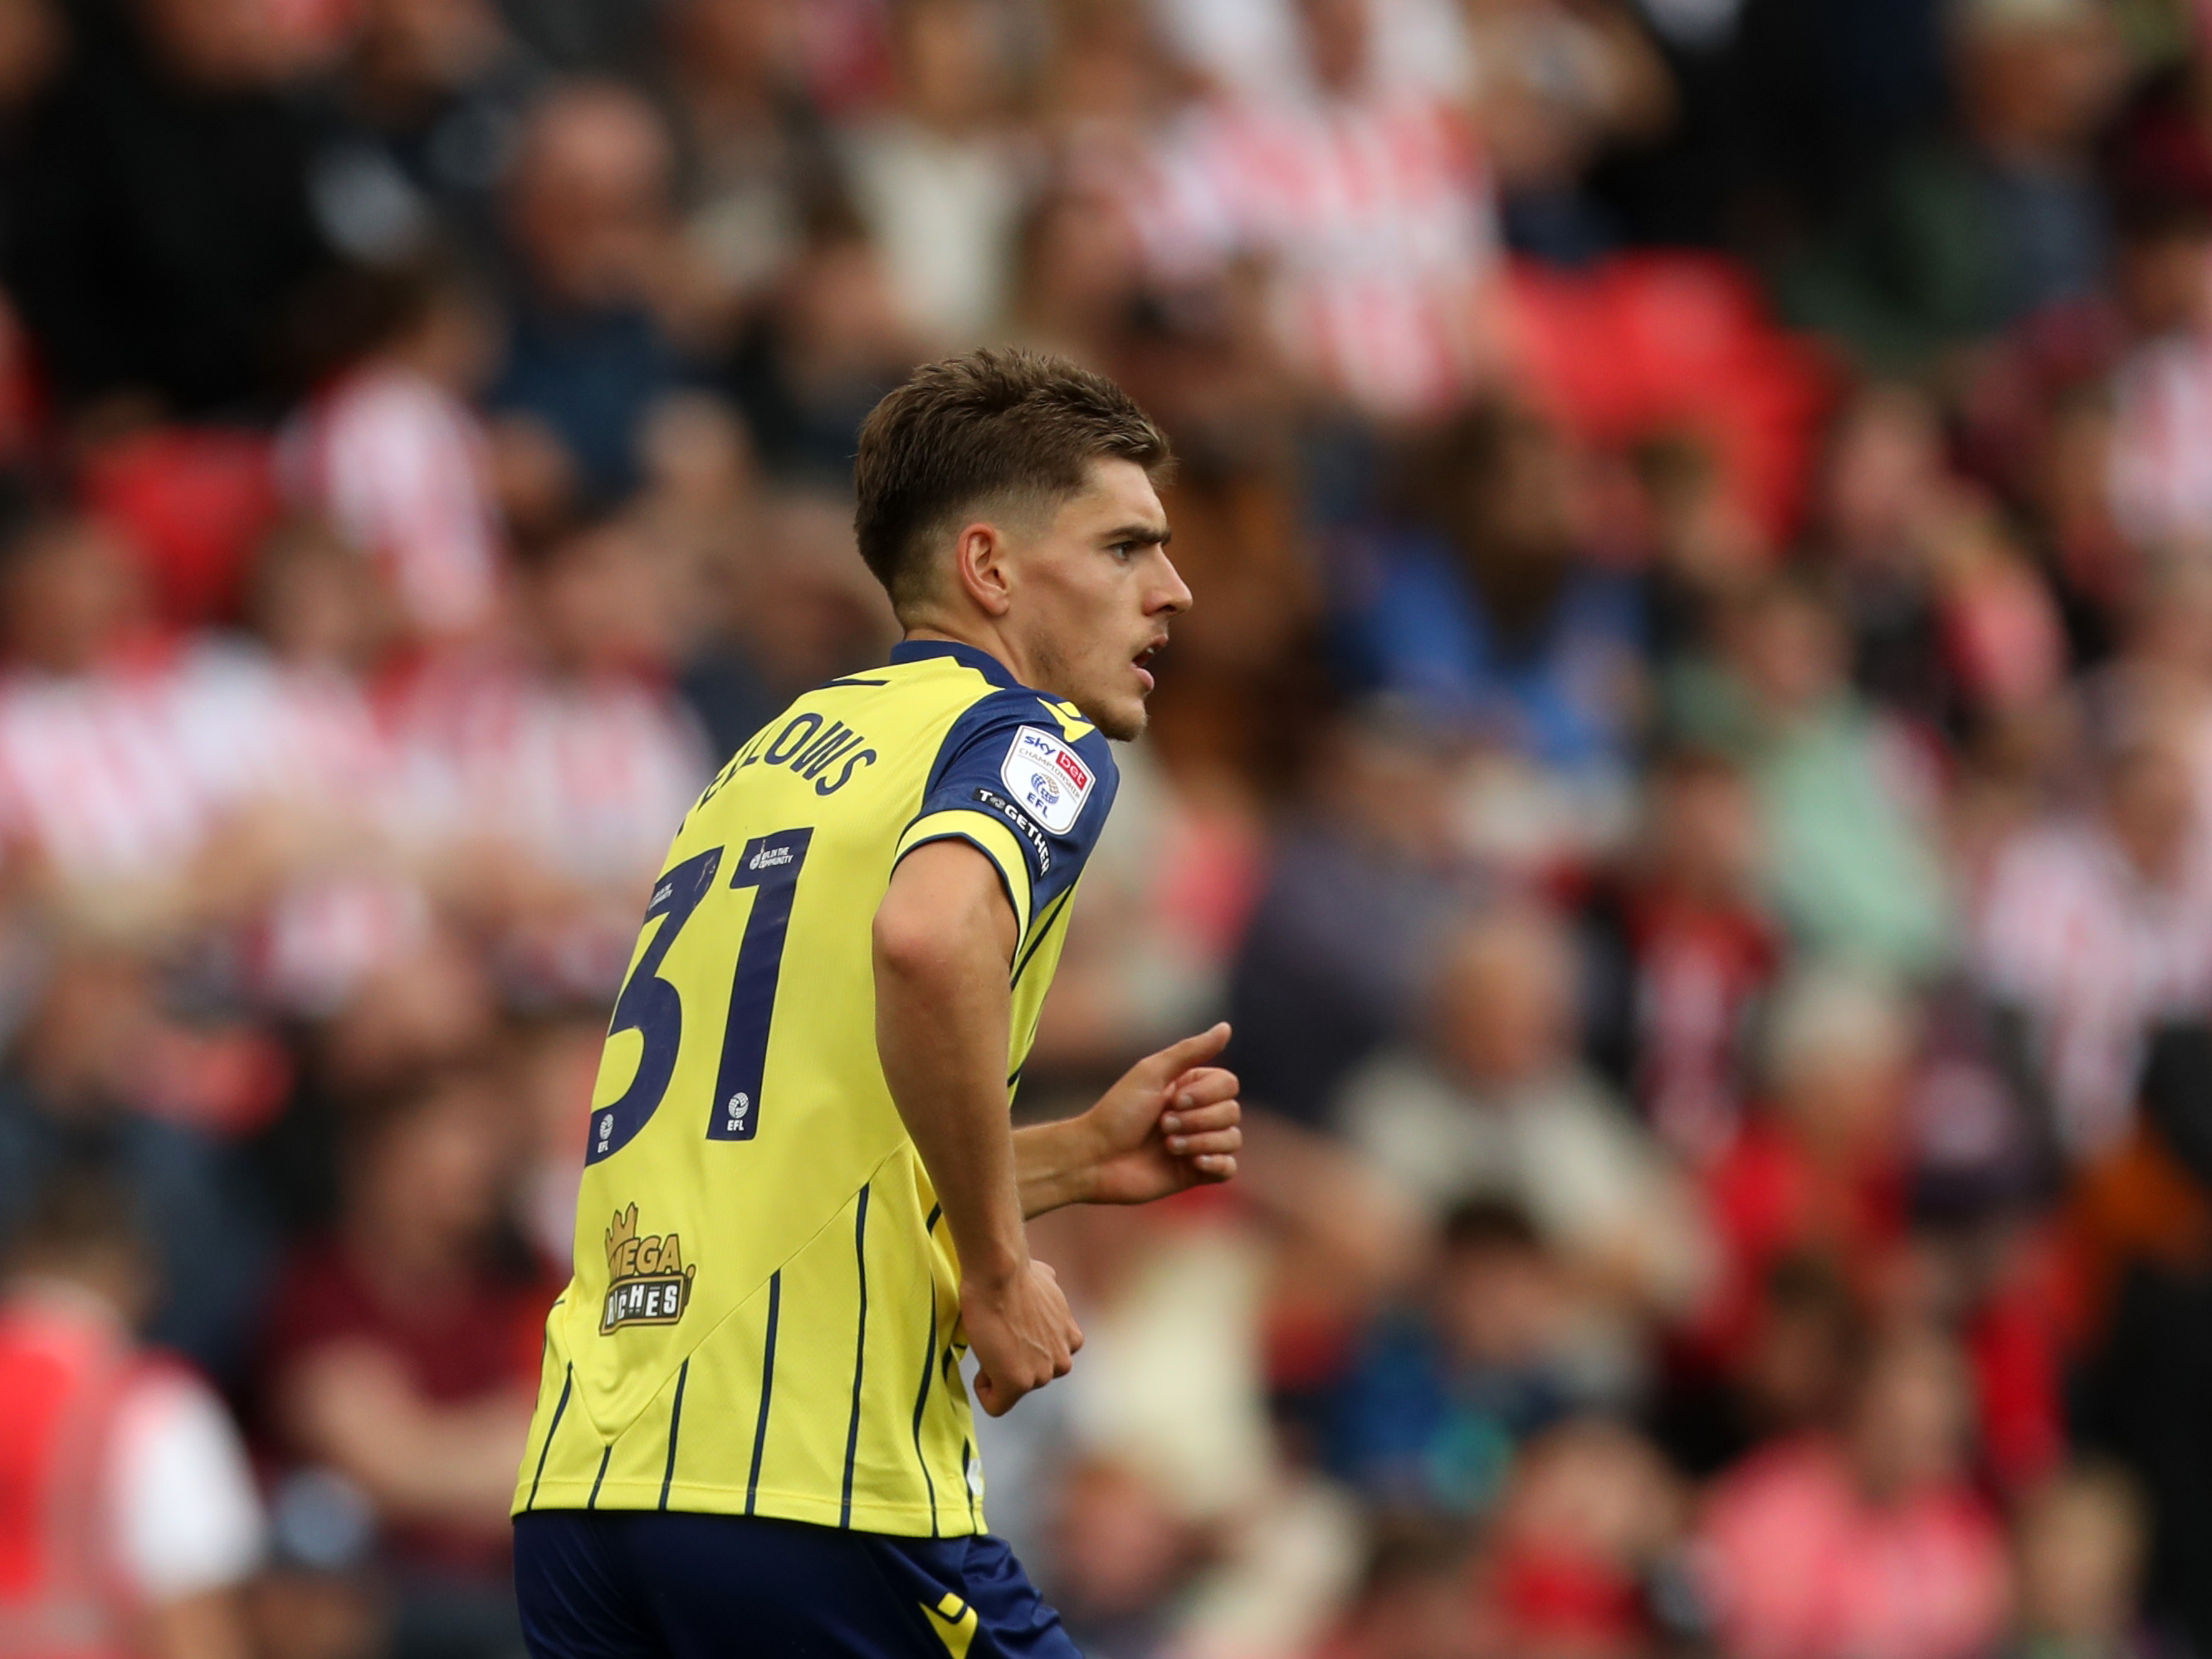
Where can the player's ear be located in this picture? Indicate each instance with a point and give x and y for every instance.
(979, 564)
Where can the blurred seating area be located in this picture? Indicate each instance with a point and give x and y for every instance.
(1690, 770)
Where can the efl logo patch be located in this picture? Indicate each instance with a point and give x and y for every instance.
(648, 1281)
(1047, 778)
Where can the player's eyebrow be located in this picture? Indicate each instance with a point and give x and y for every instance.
(1143, 535)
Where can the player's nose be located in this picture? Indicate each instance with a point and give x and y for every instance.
(1172, 596)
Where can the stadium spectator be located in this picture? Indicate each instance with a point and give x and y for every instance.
(1235, 497)
(132, 1522)
(937, 179)
(433, 94)
(432, 1008)
(1790, 1375)
(1110, 84)
(1885, 496)
(1865, 1541)
(155, 787)
(1078, 274)
(1819, 1172)
(1250, 1551)
(1369, 207)
(103, 1070)
(589, 213)
(825, 344)
(1121, 1557)
(758, 154)
(2140, 1223)
(162, 209)
(1362, 887)
(388, 449)
(1592, 1514)
(1413, 1603)
(2160, 492)
(1490, 617)
(1852, 865)
(1959, 238)
(102, 791)
(1679, 952)
(1446, 1392)
(1555, 86)
(399, 1356)
(550, 775)
(1496, 1103)
(2091, 931)
(320, 825)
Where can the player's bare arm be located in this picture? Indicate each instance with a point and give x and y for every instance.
(943, 938)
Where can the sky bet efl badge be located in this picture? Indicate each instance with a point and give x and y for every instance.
(648, 1283)
(1047, 777)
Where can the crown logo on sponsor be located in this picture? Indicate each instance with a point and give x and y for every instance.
(648, 1282)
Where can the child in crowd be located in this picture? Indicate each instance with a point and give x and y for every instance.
(1442, 1398)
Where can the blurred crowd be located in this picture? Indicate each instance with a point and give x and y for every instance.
(1691, 772)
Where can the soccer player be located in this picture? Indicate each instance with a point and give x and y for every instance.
(803, 1196)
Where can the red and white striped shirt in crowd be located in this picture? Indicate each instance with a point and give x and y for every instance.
(305, 739)
(2159, 478)
(399, 466)
(120, 776)
(261, 728)
(1376, 215)
(1698, 973)
(2072, 934)
(1254, 46)
(585, 778)
(97, 774)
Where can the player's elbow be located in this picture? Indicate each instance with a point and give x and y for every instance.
(916, 946)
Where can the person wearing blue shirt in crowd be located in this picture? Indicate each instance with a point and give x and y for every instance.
(588, 208)
(1483, 613)
(1446, 1391)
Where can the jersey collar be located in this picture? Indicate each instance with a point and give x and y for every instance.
(968, 655)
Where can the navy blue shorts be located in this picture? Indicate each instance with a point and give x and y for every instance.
(654, 1584)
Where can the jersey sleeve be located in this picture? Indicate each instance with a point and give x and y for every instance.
(1029, 784)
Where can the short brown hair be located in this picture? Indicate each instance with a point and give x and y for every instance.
(992, 424)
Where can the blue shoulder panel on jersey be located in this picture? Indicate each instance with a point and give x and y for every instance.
(1029, 763)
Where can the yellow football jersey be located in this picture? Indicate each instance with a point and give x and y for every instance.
(763, 1316)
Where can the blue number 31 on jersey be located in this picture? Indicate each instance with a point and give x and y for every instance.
(650, 1007)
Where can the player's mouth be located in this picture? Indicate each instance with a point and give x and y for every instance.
(1142, 661)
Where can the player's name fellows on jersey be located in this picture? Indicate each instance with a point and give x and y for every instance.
(808, 745)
